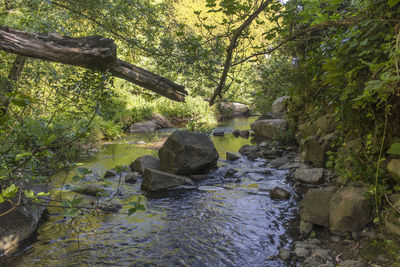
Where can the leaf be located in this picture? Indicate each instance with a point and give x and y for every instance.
(392, 3)
(24, 154)
(394, 149)
(376, 220)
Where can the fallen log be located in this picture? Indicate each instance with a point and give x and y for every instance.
(92, 52)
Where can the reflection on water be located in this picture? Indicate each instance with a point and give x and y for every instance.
(221, 223)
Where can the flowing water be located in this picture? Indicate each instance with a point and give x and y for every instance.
(220, 222)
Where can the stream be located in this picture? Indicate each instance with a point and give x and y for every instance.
(220, 222)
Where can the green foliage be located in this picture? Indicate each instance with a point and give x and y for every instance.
(394, 149)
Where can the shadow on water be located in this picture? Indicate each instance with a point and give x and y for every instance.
(222, 222)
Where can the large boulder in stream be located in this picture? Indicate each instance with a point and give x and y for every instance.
(154, 180)
(185, 152)
(144, 162)
(18, 223)
(269, 128)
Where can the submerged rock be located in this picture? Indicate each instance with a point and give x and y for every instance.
(89, 189)
(279, 193)
(185, 152)
(143, 162)
(154, 180)
(244, 134)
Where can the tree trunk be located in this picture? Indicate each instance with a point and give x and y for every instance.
(92, 52)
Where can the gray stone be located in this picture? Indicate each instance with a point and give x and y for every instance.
(245, 134)
(154, 180)
(352, 263)
(230, 173)
(325, 125)
(161, 121)
(250, 151)
(18, 224)
(279, 104)
(278, 162)
(284, 254)
(349, 209)
(324, 254)
(230, 109)
(356, 235)
(369, 234)
(305, 227)
(112, 208)
(110, 173)
(311, 262)
(232, 157)
(147, 126)
(314, 207)
(141, 143)
(290, 165)
(218, 133)
(131, 177)
(279, 193)
(309, 176)
(143, 162)
(301, 252)
(392, 228)
(393, 168)
(269, 128)
(89, 189)
(335, 238)
(236, 133)
(199, 177)
(185, 152)
(314, 151)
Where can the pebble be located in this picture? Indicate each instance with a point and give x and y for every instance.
(305, 227)
(301, 252)
(335, 238)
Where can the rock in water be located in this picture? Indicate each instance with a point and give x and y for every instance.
(250, 151)
(279, 193)
(110, 173)
(141, 163)
(185, 152)
(269, 128)
(154, 180)
(218, 133)
(232, 157)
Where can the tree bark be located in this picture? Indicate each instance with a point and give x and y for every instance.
(92, 52)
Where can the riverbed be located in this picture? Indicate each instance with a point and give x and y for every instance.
(222, 221)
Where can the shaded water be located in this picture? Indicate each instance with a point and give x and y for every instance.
(222, 222)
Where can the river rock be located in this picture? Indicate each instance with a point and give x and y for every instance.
(279, 105)
(112, 208)
(230, 109)
(314, 151)
(269, 128)
(143, 162)
(284, 254)
(352, 263)
(250, 151)
(245, 134)
(131, 177)
(89, 189)
(185, 152)
(393, 168)
(218, 133)
(154, 180)
(278, 162)
(18, 224)
(309, 176)
(305, 227)
(236, 133)
(110, 173)
(279, 193)
(146, 126)
(230, 173)
(232, 157)
(314, 208)
(161, 121)
(349, 209)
